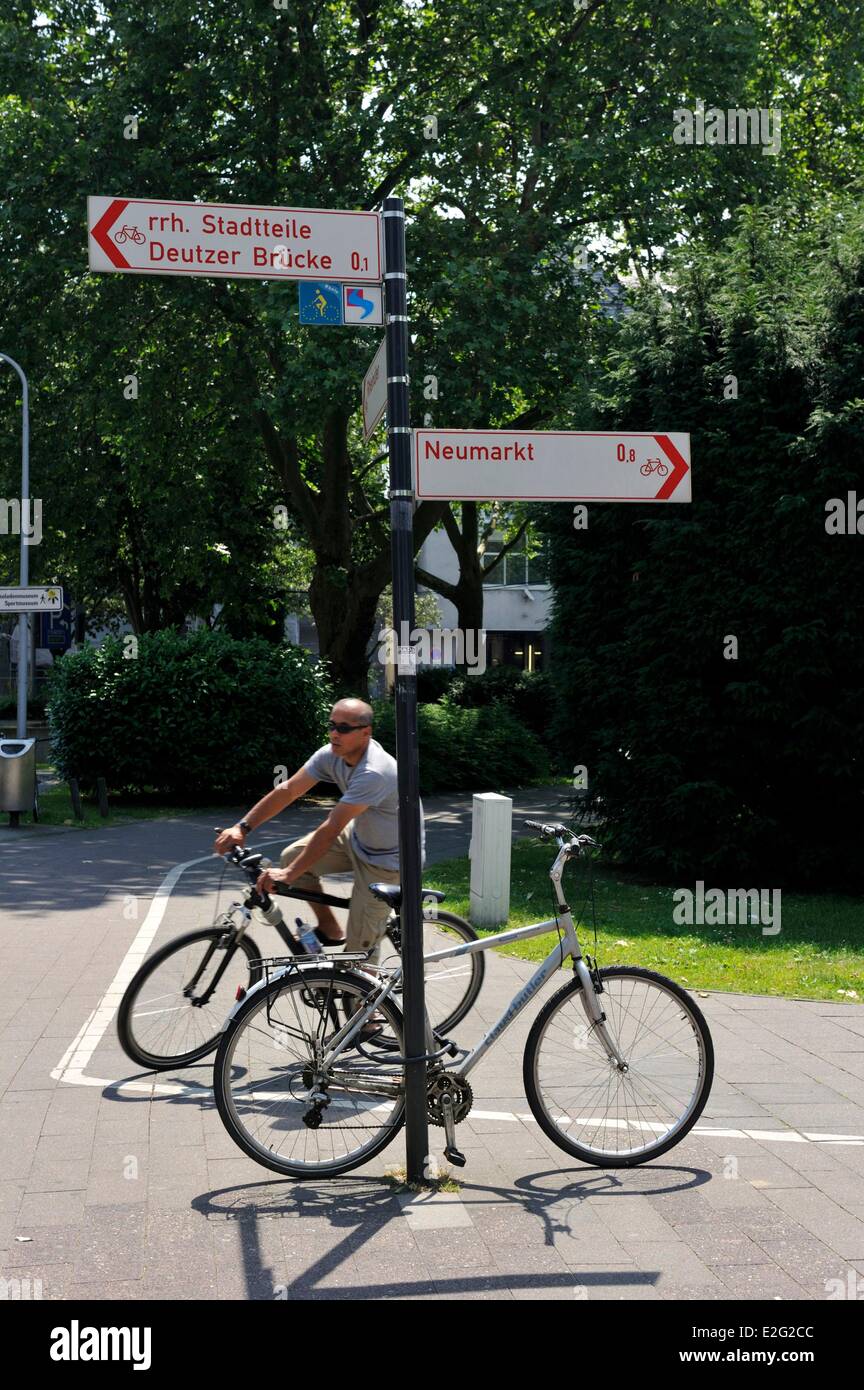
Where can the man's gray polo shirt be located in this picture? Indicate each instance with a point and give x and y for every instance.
(371, 783)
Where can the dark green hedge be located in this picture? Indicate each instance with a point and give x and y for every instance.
(733, 765)
(474, 750)
(193, 717)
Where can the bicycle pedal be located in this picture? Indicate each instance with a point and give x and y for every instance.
(454, 1156)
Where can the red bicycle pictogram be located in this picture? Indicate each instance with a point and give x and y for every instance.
(654, 466)
(129, 234)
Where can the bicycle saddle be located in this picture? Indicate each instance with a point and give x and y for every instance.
(391, 893)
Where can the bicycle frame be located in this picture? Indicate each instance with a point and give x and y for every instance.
(568, 947)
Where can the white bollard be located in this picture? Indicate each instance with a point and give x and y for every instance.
(491, 833)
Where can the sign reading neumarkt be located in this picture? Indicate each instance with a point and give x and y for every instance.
(553, 465)
(143, 236)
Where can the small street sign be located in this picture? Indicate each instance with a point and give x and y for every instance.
(375, 391)
(564, 466)
(44, 600)
(362, 304)
(331, 302)
(145, 236)
(320, 302)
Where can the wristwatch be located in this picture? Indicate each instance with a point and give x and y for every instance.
(245, 827)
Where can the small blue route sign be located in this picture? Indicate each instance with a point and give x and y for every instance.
(320, 302)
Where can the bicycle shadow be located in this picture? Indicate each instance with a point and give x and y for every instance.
(368, 1213)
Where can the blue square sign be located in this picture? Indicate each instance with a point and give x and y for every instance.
(320, 301)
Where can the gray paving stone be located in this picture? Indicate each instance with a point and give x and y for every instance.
(720, 1244)
(51, 1209)
(55, 1281)
(758, 1281)
(825, 1219)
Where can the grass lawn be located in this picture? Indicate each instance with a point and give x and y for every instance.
(817, 954)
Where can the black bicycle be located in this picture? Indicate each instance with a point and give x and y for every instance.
(176, 1005)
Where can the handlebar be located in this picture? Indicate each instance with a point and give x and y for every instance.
(555, 831)
(250, 862)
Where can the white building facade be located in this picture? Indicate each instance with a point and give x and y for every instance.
(516, 602)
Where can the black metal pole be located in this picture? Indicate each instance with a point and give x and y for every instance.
(401, 522)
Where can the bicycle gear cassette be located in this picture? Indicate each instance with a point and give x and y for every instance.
(460, 1093)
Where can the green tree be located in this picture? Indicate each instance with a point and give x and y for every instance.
(553, 127)
(709, 657)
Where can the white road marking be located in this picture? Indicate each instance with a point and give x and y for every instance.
(72, 1064)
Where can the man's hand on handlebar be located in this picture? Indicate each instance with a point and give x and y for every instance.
(229, 839)
(267, 880)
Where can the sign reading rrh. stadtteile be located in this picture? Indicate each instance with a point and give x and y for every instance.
(145, 236)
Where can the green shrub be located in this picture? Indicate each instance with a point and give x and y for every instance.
(530, 695)
(468, 749)
(432, 683)
(198, 716)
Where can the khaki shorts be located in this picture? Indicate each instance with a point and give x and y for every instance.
(367, 916)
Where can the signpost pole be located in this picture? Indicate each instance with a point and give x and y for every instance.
(23, 618)
(401, 521)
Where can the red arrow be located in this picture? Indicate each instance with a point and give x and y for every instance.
(679, 467)
(100, 233)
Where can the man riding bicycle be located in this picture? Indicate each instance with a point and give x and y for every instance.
(369, 847)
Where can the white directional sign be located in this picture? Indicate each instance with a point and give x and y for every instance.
(143, 236)
(47, 600)
(551, 466)
(375, 391)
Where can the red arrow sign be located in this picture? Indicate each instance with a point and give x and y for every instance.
(552, 465)
(100, 233)
(679, 467)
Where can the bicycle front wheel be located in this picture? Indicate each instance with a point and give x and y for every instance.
(584, 1103)
(282, 1103)
(168, 1016)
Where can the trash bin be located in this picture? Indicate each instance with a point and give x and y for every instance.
(17, 774)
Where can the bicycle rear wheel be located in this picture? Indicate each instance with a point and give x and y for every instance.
(162, 1022)
(278, 1102)
(452, 985)
(581, 1100)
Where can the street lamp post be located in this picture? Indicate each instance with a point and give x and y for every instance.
(23, 618)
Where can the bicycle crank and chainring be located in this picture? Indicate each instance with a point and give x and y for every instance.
(460, 1093)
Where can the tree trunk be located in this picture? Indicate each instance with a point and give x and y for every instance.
(344, 605)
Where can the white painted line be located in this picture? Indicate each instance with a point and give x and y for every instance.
(72, 1064)
(836, 1138)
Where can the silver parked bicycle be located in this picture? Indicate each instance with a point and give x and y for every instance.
(617, 1067)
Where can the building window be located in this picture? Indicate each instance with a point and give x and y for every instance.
(516, 567)
(524, 650)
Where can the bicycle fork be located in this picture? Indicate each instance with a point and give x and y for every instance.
(595, 1015)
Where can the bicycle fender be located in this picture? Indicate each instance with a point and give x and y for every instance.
(255, 989)
(277, 975)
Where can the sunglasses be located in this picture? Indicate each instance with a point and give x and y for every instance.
(345, 728)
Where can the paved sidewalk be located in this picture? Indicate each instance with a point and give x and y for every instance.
(131, 1194)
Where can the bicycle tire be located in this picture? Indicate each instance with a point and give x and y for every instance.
(133, 1045)
(602, 1157)
(474, 964)
(250, 1023)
